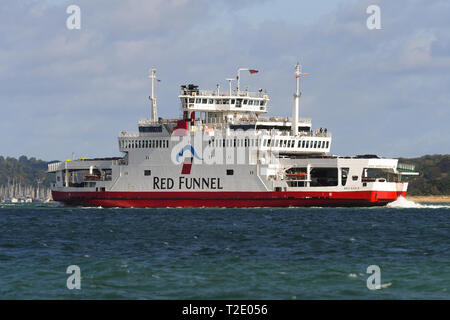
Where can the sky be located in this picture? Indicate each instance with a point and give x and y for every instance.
(378, 91)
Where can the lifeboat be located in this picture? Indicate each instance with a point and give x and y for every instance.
(296, 175)
(91, 176)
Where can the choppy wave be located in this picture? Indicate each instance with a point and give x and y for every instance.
(402, 202)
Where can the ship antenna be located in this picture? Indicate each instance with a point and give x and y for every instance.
(295, 111)
(229, 80)
(153, 98)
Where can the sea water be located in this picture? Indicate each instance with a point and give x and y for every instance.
(204, 253)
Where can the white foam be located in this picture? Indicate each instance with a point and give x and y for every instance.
(402, 202)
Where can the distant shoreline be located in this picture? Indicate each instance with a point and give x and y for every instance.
(428, 198)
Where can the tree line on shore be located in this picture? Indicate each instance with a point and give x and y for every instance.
(27, 177)
(433, 178)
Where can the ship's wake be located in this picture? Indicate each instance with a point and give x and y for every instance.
(402, 202)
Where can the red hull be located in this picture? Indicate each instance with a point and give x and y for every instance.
(227, 199)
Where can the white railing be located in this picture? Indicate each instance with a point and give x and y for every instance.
(125, 134)
(214, 93)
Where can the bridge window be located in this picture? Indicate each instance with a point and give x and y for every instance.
(245, 101)
(233, 101)
(191, 100)
(250, 102)
(219, 101)
(238, 102)
(204, 101)
(226, 101)
(210, 101)
(261, 103)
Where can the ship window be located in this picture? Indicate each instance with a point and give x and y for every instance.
(210, 101)
(261, 103)
(324, 177)
(226, 101)
(191, 100)
(250, 102)
(230, 172)
(147, 172)
(204, 101)
(245, 101)
(219, 101)
(238, 102)
(233, 101)
(354, 178)
(344, 174)
(328, 143)
(157, 128)
(198, 100)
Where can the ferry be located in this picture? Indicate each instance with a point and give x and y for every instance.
(224, 151)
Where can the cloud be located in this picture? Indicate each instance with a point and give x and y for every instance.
(374, 89)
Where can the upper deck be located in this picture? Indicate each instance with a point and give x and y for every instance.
(193, 99)
(233, 113)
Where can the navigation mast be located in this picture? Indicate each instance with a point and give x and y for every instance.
(297, 94)
(153, 98)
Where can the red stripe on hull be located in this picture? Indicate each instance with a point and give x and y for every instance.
(227, 199)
